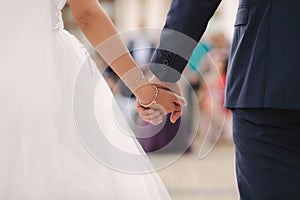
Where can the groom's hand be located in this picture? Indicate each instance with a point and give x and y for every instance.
(155, 114)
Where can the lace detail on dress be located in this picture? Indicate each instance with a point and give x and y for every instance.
(57, 22)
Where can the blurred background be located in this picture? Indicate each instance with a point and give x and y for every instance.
(205, 124)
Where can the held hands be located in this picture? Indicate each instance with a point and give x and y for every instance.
(168, 100)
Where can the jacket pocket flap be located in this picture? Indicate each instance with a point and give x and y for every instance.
(242, 16)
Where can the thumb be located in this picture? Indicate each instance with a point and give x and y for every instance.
(176, 114)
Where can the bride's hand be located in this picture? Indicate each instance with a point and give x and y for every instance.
(150, 115)
(166, 102)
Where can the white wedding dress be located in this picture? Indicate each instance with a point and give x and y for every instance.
(44, 152)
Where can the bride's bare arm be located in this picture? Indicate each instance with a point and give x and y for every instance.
(101, 32)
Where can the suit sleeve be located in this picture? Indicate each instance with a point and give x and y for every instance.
(185, 24)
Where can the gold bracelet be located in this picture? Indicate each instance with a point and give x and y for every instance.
(152, 102)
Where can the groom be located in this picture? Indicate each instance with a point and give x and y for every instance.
(262, 87)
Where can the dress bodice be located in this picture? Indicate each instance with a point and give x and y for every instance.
(57, 6)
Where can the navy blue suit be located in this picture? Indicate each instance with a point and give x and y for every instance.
(262, 86)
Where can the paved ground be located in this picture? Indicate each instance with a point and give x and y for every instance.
(213, 178)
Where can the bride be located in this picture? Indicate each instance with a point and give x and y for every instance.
(41, 153)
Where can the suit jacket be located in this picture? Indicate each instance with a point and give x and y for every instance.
(264, 65)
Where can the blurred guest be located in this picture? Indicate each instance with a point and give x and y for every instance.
(193, 76)
(154, 138)
(141, 47)
(215, 119)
